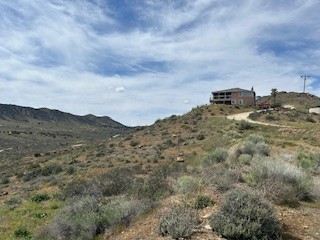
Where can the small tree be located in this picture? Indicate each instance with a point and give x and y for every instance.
(274, 92)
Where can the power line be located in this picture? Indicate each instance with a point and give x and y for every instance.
(304, 77)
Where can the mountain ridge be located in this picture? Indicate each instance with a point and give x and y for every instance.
(22, 113)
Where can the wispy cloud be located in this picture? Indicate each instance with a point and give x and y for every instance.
(137, 61)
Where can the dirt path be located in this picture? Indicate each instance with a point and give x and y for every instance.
(7, 149)
(245, 117)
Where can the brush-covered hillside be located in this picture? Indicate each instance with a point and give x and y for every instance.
(28, 131)
(196, 176)
(301, 101)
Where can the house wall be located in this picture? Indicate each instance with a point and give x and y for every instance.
(243, 98)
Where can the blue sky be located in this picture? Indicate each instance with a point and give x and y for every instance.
(140, 60)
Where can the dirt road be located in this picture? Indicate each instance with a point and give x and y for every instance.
(245, 116)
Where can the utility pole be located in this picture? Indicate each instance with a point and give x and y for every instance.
(304, 84)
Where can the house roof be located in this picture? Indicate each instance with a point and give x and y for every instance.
(233, 90)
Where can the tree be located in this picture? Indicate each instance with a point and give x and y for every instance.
(274, 92)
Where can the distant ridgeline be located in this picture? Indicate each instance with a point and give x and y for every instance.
(18, 113)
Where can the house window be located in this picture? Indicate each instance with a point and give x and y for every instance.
(234, 101)
(241, 101)
(245, 94)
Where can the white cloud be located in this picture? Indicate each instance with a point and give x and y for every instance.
(120, 89)
(78, 56)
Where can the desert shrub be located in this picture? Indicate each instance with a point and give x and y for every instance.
(247, 148)
(116, 181)
(244, 125)
(187, 185)
(271, 117)
(5, 180)
(223, 179)
(308, 161)
(200, 137)
(30, 175)
(262, 149)
(84, 218)
(134, 143)
(254, 145)
(245, 215)
(203, 202)
(310, 119)
(156, 186)
(245, 159)
(76, 221)
(178, 222)
(71, 170)
(22, 232)
(40, 197)
(233, 134)
(51, 169)
(218, 155)
(255, 138)
(254, 115)
(282, 182)
(118, 210)
(81, 188)
(13, 202)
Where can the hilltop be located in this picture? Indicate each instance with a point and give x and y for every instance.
(301, 101)
(119, 188)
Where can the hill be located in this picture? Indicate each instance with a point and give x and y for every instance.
(133, 187)
(18, 113)
(26, 131)
(301, 101)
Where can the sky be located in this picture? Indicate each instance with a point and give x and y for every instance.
(142, 60)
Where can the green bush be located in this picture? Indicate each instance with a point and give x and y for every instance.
(5, 180)
(254, 145)
(282, 182)
(116, 181)
(271, 117)
(248, 148)
(244, 125)
(156, 186)
(223, 179)
(14, 201)
(119, 210)
(51, 169)
(81, 188)
(76, 221)
(85, 218)
(262, 149)
(22, 232)
(245, 159)
(178, 222)
(200, 137)
(218, 155)
(310, 119)
(308, 161)
(255, 138)
(203, 202)
(245, 215)
(40, 197)
(187, 185)
(134, 143)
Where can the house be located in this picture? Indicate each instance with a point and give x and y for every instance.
(234, 96)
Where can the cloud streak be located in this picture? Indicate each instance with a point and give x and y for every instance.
(138, 61)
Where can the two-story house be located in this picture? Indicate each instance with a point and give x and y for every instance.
(234, 96)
